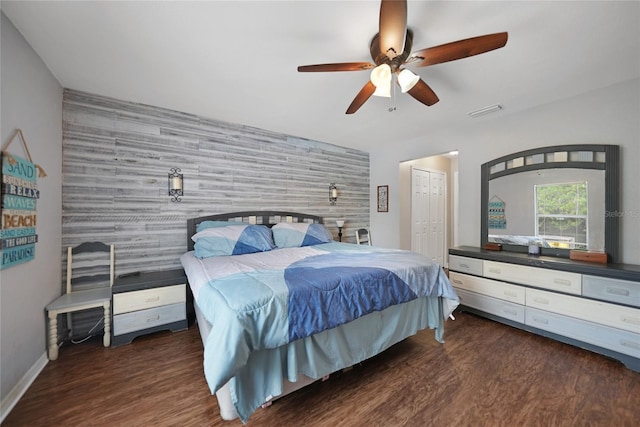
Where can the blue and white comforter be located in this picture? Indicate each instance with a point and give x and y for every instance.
(268, 299)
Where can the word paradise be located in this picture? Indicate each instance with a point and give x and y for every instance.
(19, 202)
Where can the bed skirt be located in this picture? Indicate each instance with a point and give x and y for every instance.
(274, 373)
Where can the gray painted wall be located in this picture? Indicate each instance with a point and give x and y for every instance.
(117, 155)
(31, 101)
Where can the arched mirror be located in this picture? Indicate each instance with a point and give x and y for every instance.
(557, 198)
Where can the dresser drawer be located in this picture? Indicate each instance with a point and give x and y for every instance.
(533, 276)
(494, 306)
(143, 319)
(465, 265)
(148, 298)
(603, 336)
(604, 313)
(492, 288)
(615, 290)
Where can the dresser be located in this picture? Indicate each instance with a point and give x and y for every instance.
(148, 302)
(593, 306)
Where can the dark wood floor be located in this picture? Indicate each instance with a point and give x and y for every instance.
(486, 374)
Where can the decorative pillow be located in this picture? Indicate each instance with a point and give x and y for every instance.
(215, 224)
(232, 240)
(293, 235)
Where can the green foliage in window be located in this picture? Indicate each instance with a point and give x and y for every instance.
(562, 199)
(561, 211)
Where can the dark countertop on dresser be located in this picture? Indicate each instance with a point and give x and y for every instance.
(611, 270)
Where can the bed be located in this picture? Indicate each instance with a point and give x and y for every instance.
(279, 304)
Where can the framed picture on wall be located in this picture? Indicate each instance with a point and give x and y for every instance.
(383, 198)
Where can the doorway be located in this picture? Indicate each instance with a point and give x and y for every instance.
(428, 210)
(428, 206)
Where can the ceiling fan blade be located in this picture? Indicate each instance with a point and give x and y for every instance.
(458, 49)
(343, 66)
(362, 96)
(423, 93)
(393, 27)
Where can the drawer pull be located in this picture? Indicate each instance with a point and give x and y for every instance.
(630, 344)
(510, 311)
(510, 294)
(154, 299)
(541, 300)
(618, 291)
(540, 320)
(457, 281)
(564, 282)
(153, 319)
(464, 266)
(632, 320)
(495, 270)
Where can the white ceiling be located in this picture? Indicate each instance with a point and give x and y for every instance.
(237, 60)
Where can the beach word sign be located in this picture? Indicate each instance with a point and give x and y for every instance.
(20, 195)
(497, 217)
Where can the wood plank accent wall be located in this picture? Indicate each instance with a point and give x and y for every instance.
(117, 154)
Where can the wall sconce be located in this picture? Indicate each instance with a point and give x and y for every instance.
(333, 193)
(340, 224)
(175, 184)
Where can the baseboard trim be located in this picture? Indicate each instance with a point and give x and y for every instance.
(12, 398)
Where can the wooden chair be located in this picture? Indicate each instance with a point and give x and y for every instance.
(363, 237)
(87, 297)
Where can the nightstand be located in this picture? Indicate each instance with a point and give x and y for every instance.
(148, 302)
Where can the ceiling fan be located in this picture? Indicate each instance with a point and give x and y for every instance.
(391, 51)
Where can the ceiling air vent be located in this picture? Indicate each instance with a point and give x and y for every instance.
(485, 110)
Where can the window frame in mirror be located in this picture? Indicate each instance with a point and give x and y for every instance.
(552, 158)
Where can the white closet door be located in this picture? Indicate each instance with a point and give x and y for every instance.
(436, 217)
(419, 210)
(428, 209)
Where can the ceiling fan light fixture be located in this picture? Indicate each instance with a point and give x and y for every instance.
(381, 79)
(407, 80)
(383, 90)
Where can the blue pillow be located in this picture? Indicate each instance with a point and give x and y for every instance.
(232, 240)
(215, 224)
(296, 234)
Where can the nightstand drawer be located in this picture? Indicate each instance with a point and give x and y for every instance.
(144, 319)
(148, 298)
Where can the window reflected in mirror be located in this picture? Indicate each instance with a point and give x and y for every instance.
(550, 208)
(562, 214)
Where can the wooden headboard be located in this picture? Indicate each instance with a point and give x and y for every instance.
(267, 218)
